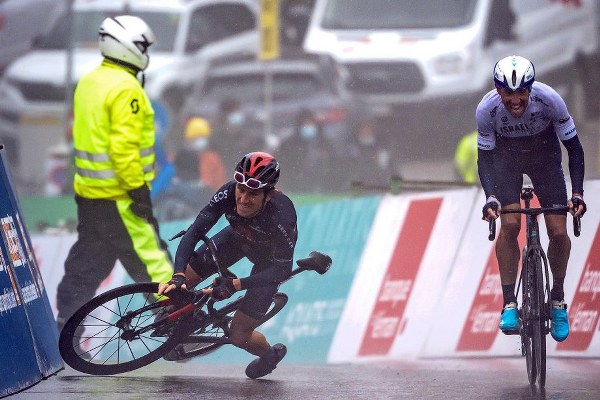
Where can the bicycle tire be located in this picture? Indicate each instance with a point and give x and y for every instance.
(114, 343)
(214, 330)
(527, 311)
(542, 318)
(537, 318)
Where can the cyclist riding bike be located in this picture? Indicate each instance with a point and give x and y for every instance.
(262, 227)
(520, 124)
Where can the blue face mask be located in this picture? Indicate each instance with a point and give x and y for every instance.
(308, 131)
(236, 118)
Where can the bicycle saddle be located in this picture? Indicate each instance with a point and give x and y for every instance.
(315, 261)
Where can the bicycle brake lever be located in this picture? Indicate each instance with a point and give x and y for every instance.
(576, 226)
(492, 234)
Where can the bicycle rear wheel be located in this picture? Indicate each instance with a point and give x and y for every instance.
(115, 331)
(214, 331)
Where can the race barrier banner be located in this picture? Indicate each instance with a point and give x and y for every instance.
(413, 276)
(27, 326)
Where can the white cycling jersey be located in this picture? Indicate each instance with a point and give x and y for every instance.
(545, 112)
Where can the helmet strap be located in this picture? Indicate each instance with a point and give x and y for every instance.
(135, 70)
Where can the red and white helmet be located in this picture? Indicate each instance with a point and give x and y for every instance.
(514, 73)
(257, 170)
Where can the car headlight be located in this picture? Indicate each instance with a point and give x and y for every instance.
(451, 64)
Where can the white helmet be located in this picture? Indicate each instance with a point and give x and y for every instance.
(514, 72)
(126, 38)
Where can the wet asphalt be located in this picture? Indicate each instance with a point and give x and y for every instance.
(492, 378)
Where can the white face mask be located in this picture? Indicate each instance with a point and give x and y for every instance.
(199, 144)
(366, 140)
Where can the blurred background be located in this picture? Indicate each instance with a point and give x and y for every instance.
(352, 96)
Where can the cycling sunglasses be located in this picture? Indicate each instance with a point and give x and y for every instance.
(252, 183)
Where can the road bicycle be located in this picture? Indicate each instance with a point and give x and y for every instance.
(132, 326)
(535, 309)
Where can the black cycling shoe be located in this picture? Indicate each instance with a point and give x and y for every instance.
(266, 364)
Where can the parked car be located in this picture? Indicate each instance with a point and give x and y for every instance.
(21, 21)
(424, 66)
(35, 93)
(301, 83)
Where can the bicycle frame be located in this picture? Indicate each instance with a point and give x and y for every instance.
(535, 310)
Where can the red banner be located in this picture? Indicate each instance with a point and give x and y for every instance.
(387, 318)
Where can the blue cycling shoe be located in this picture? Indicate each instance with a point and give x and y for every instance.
(509, 320)
(559, 328)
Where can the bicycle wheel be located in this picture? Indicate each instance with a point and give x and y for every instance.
(537, 318)
(115, 331)
(527, 318)
(213, 331)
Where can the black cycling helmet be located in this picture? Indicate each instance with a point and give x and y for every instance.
(257, 170)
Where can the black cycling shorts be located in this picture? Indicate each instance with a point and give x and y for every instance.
(546, 176)
(231, 248)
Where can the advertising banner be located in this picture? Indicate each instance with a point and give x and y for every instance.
(29, 334)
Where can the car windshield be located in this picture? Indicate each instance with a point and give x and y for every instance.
(394, 14)
(86, 24)
(251, 88)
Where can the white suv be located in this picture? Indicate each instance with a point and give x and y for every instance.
(35, 95)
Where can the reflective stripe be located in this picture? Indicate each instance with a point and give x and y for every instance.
(103, 174)
(148, 168)
(95, 157)
(103, 157)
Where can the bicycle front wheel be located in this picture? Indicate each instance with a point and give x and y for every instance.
(214, 332)
(533, 337)
(115, 331)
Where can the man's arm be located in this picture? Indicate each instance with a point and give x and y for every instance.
(576, 164)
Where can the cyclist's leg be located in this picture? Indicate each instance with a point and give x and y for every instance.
(551, 190)
(508, 191)
(244, 334)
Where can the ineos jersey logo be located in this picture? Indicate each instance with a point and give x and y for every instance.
(135, 106)
(219, 196)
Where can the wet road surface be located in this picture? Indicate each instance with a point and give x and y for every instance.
(492, 378)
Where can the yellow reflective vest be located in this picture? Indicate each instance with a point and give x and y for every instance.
(465, 157)
(113, 133)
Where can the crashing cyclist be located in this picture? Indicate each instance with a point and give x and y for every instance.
(262, 227)
(521, 124)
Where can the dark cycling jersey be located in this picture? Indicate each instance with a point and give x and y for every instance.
(270, 235)
(529, 144)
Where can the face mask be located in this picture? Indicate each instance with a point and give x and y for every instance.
(308, 131)
(366, 140)
(236, 119)
(199, 144)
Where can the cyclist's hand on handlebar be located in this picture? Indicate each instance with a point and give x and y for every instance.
(178, 281)
(577, 205)
(222, 288)
(491, 209)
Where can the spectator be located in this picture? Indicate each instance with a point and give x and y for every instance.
(199, 173)
(369, 156)
(308, 157)
(465, 158)
(229, 139)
